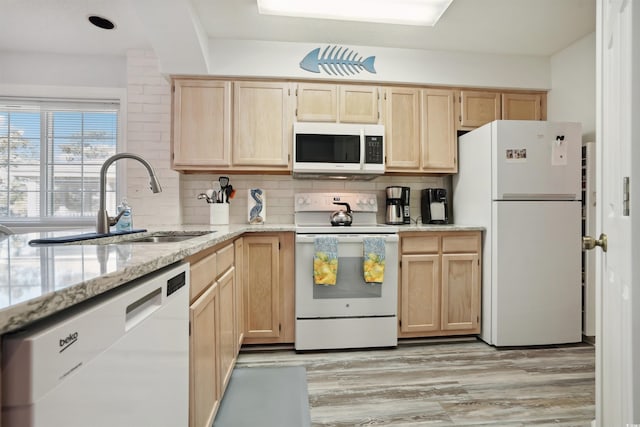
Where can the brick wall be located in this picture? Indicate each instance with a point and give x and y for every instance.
(149, 135)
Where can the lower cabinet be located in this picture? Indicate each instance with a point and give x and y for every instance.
(267, 279)
(439, 283)
(214, 330)
(204, 381)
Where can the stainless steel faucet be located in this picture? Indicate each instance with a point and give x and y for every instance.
(104, 221)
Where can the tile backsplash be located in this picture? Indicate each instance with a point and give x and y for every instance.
(280, 191)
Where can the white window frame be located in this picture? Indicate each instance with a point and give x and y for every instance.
(81, 93)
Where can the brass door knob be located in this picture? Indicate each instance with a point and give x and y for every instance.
(589, 242)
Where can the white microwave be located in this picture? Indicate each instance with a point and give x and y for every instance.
(338, 149)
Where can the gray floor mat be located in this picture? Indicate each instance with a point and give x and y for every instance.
(265, 397)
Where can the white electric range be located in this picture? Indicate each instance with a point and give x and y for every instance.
(352, 313)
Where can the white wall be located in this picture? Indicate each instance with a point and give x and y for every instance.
(573, 86)
(62, 70)
(280, 59)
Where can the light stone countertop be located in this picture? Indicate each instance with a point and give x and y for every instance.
(37, 281)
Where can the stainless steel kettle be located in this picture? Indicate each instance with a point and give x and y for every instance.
(342, 217)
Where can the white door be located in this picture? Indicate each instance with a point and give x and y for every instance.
(618, 316)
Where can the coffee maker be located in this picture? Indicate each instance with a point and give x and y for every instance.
(398, 210)
(406, 208)
(395, 211)
(434, 206)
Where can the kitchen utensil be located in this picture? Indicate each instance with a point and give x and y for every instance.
(342, 217)
(204, 196)
(217, 192)
(228, 191)
(224, 183)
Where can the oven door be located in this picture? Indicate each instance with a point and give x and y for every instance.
(351, 296)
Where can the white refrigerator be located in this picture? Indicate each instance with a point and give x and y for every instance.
(521, 180)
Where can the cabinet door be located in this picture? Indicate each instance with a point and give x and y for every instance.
(263, 128)
(478, 108)
(439, 141)
(420, 283)
(521, 106)
(227, 331)
(261, 287)
(204, 381)
(201, 123)
(460, 292)
(402, 128)
(358, 104)
(239, 268)
(317, 102)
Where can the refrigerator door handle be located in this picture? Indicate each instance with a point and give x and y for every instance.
(538, 196)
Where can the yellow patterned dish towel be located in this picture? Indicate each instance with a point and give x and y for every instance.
(325, 260)
(374, 259)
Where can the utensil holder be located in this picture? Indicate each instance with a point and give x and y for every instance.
(219, 213)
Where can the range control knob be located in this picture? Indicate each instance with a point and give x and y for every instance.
(372, 201)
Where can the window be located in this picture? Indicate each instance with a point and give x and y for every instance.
(51, 153)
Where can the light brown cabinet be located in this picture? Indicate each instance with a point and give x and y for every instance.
(213, 342)
(439, 283)
(522, 106)
(420, 130)
(262, 125)
(477, 108)
(402, 128)
(201, 124)
(239, 265)
(318, 102)
(268, 288)
(438, 132)
(204, 341)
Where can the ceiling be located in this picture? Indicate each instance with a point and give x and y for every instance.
(525, 27)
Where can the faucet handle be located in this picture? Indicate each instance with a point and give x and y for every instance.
(113, 220)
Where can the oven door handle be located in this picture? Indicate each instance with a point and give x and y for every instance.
(346, 238)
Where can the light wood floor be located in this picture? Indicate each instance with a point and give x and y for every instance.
(445, 384)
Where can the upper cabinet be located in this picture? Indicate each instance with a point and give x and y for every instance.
(522, 106)
(420, 130)
(246, 126)
(262, 125)
(439, 140)
(402, 128)
(477, 108)
(201, 124)
(318, 102)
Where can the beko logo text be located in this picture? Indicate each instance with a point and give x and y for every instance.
(65, 343)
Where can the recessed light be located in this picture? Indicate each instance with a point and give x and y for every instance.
(403, 12)
(101, 22)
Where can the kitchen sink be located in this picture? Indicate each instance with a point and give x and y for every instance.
(102, 239)
(167, 237)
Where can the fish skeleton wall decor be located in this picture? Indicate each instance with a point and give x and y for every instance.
(342, 61)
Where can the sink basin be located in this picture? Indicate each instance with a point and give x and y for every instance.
(170, 237)
(102, 239)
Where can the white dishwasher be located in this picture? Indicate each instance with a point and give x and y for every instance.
(121, 359)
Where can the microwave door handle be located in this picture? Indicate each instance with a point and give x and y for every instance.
(362, 146)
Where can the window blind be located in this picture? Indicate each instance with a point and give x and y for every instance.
(51, 152)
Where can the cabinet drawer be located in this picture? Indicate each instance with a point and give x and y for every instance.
(464, 243)
(225, 259)
(420, 244)
(203, 273)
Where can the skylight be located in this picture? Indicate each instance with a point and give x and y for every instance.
(402, 12)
